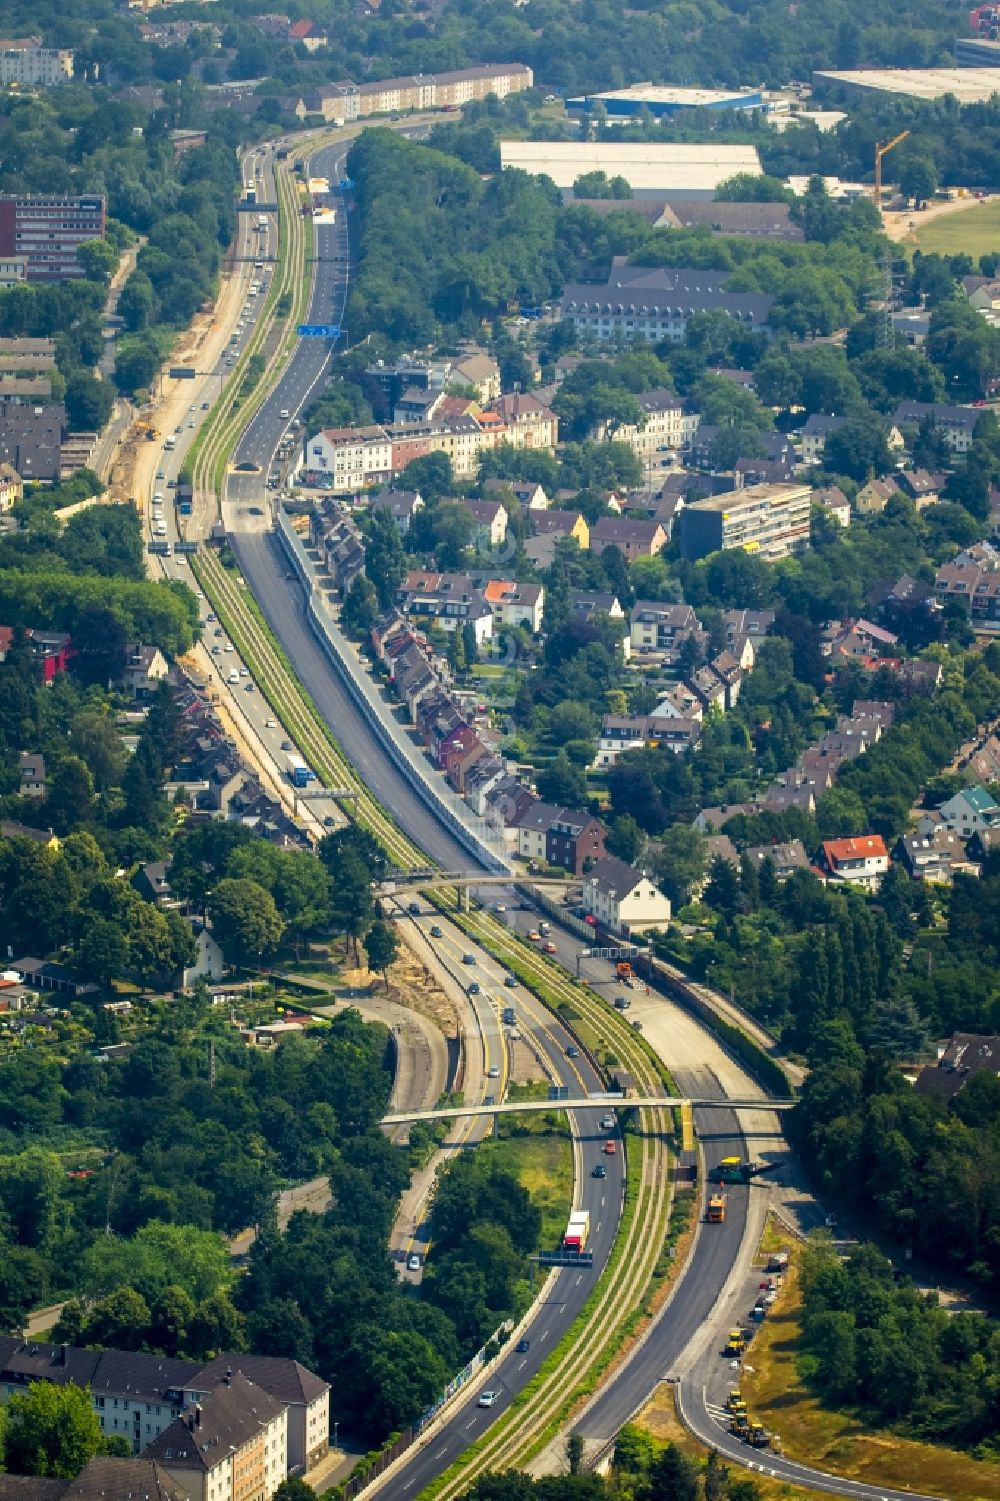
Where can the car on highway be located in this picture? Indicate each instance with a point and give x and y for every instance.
(609, 1123)
(637, 1026)
(229, 646)
(248, 688)
(286, 745)
(437, 931)
(600, 1171)
(474, 988)
(493, 1072)
(610, 1148)
(572, 1051)
(244, 672)
(205, 406)
(489, 1099)
(488, 1398)
(468, 958)
(549, 948)
(413, 1263)
(270, 724)
(534, 936)
(499, 907)
(216, 651)
(414, 909)
(522, 1345)
(160, 474)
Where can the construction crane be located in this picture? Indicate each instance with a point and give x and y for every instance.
(880, 151)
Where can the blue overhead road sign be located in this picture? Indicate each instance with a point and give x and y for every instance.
(318, 330)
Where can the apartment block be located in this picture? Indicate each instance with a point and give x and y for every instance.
(45, 229)
(771, 520)
(670, 422)
(639, 302)
(23, 60)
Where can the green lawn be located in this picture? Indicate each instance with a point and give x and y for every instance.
(973, 231)
(542, 1162)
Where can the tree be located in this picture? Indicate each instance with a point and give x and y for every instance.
(381, 948)
(135, 366)
(918, 177)
(673, 1477)
(102, 954)
(294, 1489)
(52, 1430)
(351, 899)
(859, 447)
(562, 783)
(98, 259)
(245, 920)
(574, 1452)
(385, 560)
(680, 862)
(360, 608)
(356, 841)
(88, 402)
(69, 800)
(625, 839)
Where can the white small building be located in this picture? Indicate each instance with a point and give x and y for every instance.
(622, 898)
(969, 812)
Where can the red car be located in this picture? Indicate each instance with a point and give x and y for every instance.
(549, 948)
(591, 919)
(610, 1149)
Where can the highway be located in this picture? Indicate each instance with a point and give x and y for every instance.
(721, 1254)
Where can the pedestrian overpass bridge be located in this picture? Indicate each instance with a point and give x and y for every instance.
(582, 1102)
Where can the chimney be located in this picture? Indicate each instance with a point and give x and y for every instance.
(197, 1415)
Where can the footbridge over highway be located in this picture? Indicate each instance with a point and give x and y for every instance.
(584, 1102)
(463, 881)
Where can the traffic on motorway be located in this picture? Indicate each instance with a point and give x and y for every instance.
(694, 1307)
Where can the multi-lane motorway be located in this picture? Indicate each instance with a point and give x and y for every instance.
(708, 1277)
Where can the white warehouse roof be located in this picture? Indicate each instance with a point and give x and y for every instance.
(662, 168)
(969, 85)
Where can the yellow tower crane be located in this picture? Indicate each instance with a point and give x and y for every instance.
(880, 151)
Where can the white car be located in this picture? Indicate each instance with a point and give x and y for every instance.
(488, 1398)
(270, 724)
(413, 1263)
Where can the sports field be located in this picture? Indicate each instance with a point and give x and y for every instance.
(972, 227)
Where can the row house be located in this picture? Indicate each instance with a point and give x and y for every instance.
(955, 423)
(669, 423)
(140, 1397)
(490, 520)
(634, 539)
(401, 505)
(975, 586)
(568, 837)
(528, 422)
(336, 533)
(449, 600)
(529, 496)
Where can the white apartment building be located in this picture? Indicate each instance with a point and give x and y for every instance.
(670, 423)
(353, 456)
(23, 60)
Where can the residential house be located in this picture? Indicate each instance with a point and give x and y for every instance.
(965, 1055)
(551, 526)
(664, 628)
(752, 623)
(152, 882)
(449, 600)
(679, 702)
(31, 765)
(936, 856)
(969, 812)
(481, 372)
(622, 899)
(589, 604)
(529, 496)
(710, 688)
(922, 487)
(669, 423)
(209, 961)
(401, 505)
(976, 587)
(718, 847)
(621, 733)
(529, 422)
(861, 861)
(835, 504)
(515, 604)
(104, 1478)
(491, 520)
(230, 1444)
(337, 534)
(712, 820)
(984, 763)
(145, 666)
(558, 836)
(634, 539)
(308, 35)
(816, 430)
(10, 829)
(52, 651)
(956, 423)
(874, 496)
(786, 858)
(11, 488)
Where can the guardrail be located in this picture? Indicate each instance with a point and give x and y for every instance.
(364, 696)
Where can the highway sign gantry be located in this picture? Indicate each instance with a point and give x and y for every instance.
(318, 330)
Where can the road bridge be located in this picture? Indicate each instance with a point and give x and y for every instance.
(586, 1102)
(410, 885)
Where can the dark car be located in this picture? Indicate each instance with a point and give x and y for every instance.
(414, 909)
(437, 931)
(572, 1051)
(468, 958)
(474, 988)
(600, 1171)
(522, 1345)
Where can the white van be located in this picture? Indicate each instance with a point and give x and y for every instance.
(160, 528)
(233, 677)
